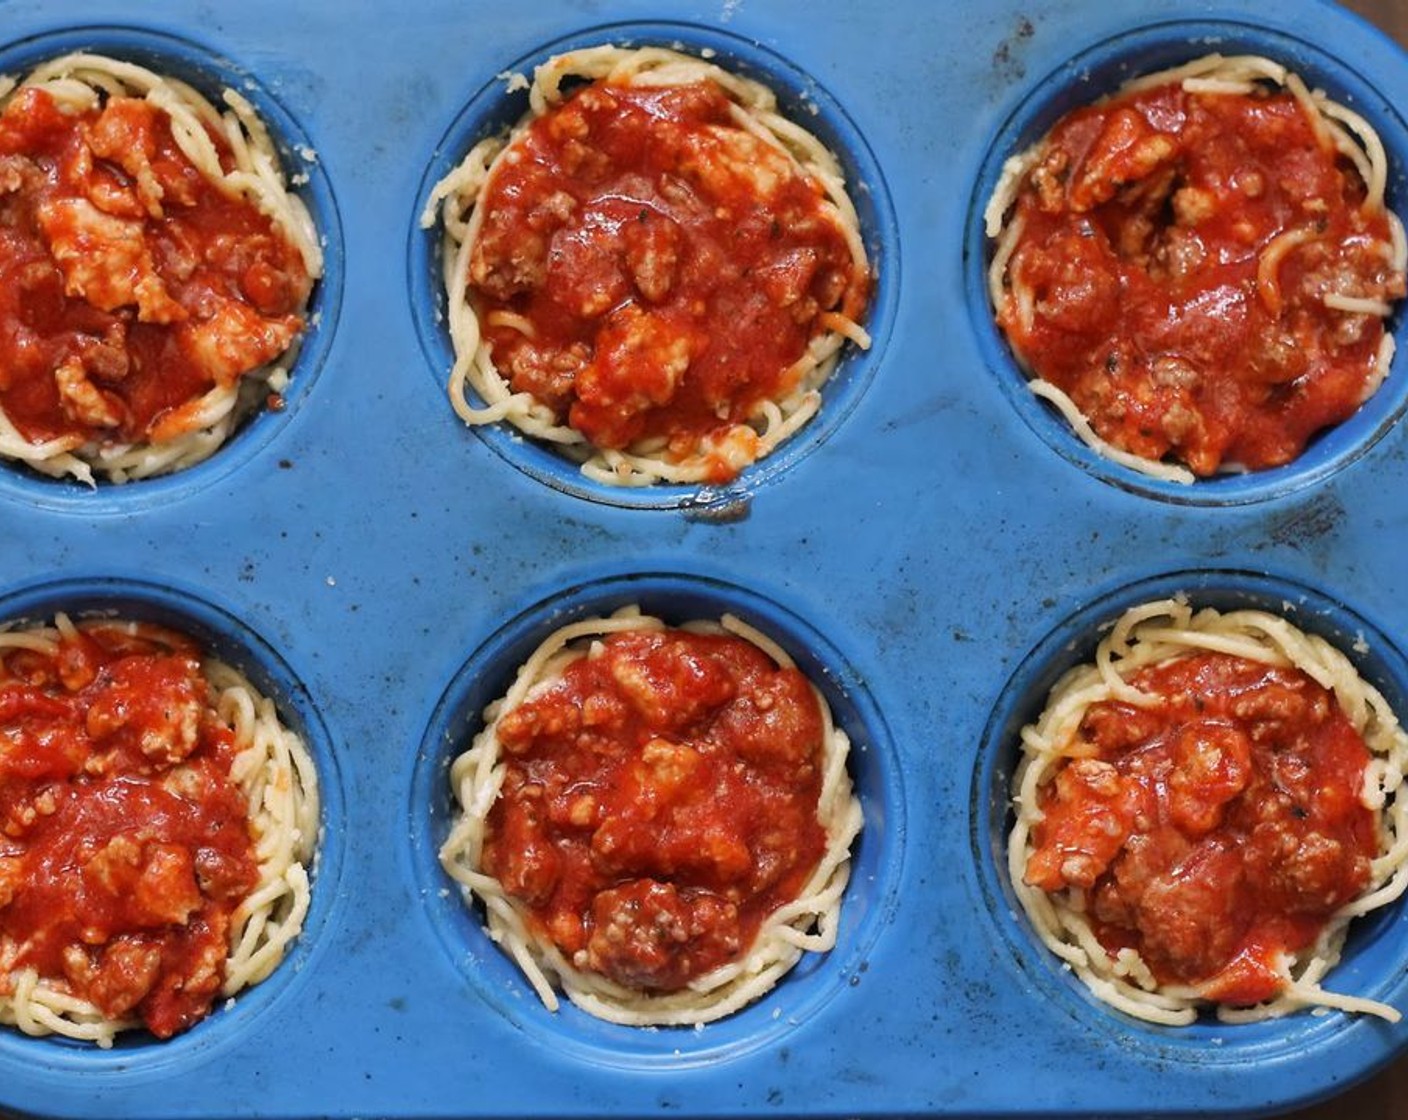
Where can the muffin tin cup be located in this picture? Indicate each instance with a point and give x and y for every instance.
(209, 73)
(816, 979)
(1375, 957)
(498, 106)
(136, 1054)
(1100, 70)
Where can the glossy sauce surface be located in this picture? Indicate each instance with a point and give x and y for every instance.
(1215, 830)
(124, 844)
(673, 268)
(130, 285)
(660, 803)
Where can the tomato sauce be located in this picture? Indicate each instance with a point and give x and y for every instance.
(1216, 830)
(124, 844)
(1144, 224)
(673, 267)
(130, 285)
(660, 802)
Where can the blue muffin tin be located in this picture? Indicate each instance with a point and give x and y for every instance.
(933, 548)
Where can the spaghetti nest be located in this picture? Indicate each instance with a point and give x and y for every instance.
(158, 268)
(656, 821)
(160, 822)
(654, 272)
(1202, 811)
(1197, 270)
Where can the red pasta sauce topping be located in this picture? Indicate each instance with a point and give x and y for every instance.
(130, 285)
(672, 266)
(124, 845)
(660, 802)
(1144, 226)
(1215, 830)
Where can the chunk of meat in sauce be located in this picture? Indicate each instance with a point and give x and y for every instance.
(1086, 822)
(673, 267)
(105, 260)
(130, 285)
(1143, 228)
(1214, 829)
(659, 801)
(647, 936)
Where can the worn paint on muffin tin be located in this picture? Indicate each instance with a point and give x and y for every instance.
(381, 562)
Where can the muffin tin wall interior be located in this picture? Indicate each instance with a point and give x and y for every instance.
(932, 540)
